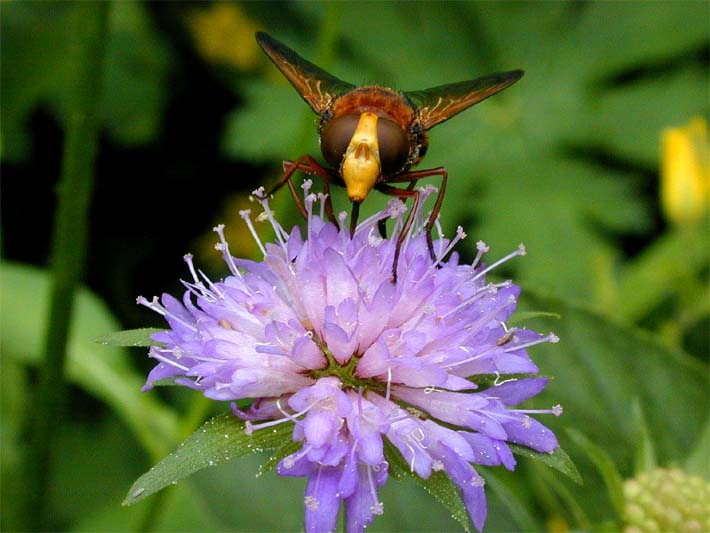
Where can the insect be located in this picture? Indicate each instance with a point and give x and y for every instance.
(371, 136)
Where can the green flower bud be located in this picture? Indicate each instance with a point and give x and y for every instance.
(666, 500)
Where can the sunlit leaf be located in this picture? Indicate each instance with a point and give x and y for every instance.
(103, 371)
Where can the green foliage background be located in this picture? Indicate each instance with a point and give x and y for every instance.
(566, 161)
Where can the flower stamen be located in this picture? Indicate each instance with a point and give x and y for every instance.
(518, 252)
(223, 247)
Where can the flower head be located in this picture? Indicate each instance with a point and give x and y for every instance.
(666, 500)
(319, 335)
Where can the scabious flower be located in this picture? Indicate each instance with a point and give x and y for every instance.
(318, 334)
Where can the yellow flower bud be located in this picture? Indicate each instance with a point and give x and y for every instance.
(685, 172)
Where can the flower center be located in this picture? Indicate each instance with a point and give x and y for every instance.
(346, 373)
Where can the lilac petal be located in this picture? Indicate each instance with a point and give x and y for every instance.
(338, 343)
(484, 448)
(295, 242)
(455, 383)
(321, 501)
(515, 392)
(363, 503)
(470, 483)
(349, 478)
(375, 361)
(161, 371)
(295, 465)
(529, 432)
(474, 498)
(370, 316)
(319, 428)
(307, 354)
(506, 456)
(340, 283)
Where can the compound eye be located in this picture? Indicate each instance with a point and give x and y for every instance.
(394, 146)
(335, 138)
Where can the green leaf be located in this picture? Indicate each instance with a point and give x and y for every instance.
(516, 506)
(645, 451)
(556, 497)
(697, 462)
(558, 460)
(103, 371)
(438, 485)
(130, 337)
(220, 440)
(601, 367)
(605, 466)
(35, 57)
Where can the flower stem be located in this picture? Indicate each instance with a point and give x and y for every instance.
(83, 87)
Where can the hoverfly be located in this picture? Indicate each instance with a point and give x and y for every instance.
(371, 136)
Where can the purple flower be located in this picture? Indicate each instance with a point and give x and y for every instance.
(318, 335)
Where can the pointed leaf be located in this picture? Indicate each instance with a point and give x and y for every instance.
(130, 337)
(219, 440)
(558, 460)
(645, 451)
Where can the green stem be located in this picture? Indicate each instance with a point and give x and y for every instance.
(83, 87)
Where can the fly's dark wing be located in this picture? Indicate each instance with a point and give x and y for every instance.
(315, 85)
(438, 104)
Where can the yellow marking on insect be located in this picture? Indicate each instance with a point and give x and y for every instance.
(361, 163)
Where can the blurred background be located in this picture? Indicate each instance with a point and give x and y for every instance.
(597, 160)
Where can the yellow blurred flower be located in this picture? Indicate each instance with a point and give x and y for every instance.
(223, 33)
(685, 172)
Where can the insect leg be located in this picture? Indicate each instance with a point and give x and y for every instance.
(382, 224)
(402, 194)
(310, 166)
(412, 178)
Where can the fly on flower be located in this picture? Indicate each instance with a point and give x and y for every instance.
(372, 136)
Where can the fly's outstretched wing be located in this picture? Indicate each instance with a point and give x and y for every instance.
(438, 104)
(315, 85)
